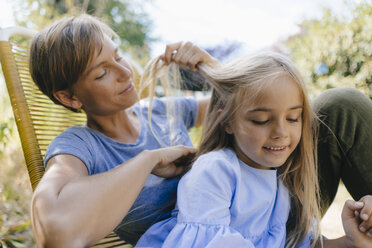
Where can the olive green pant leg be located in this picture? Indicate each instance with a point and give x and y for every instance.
(344, 143)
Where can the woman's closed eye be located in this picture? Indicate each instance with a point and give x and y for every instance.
(101, 75)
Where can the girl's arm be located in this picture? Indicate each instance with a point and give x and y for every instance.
(72, 209)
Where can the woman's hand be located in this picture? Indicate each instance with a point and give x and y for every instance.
(357, 222)
(188, 55)
(173, 161)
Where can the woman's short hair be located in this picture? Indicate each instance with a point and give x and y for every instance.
(60, 54)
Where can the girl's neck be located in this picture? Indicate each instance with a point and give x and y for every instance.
(123, 126)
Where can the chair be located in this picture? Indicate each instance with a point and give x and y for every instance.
(38, 119)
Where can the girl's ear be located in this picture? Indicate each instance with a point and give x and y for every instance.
(65, 97)
(228, 128)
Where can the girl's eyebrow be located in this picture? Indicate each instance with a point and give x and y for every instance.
(260, 109)
(101, 63)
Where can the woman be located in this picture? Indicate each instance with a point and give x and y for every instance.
(113, 167)
(76, 64)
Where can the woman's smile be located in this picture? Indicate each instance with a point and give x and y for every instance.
(128, 89)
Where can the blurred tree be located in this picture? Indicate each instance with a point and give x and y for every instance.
(126, 17)
(336, 51)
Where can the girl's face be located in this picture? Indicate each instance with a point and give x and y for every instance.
(107, 85)
(268, 130)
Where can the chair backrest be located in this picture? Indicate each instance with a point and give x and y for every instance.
(38, 119)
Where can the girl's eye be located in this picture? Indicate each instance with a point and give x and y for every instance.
(292, 120)
(259, 122)
(101, 76)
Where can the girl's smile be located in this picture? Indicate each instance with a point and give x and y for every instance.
(275, 149)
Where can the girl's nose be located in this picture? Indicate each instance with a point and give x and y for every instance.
(279, 131)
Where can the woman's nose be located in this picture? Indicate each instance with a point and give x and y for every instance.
(123, 73)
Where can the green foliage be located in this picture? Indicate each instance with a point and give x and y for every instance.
(5, 133)
(7, 123)
(126, 18)
(15, 195)
(132, 25)
(15, 188)
(335, 52)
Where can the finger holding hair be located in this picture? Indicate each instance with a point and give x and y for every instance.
(169, 160)
(188, 55)
(191, 55)
(194, 56)
(183, 53)
(170, 50)
(193, 62)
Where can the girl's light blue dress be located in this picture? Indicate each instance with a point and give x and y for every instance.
(222, 202)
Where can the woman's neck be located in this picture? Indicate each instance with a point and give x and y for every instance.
(123, 126)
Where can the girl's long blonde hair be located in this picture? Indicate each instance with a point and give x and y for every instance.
(244, 79)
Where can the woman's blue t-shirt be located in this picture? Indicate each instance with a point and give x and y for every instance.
(100, 153)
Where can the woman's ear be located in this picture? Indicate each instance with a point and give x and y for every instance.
(65, 97)
(228, 128)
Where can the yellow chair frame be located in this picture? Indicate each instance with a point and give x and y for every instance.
(38, 119)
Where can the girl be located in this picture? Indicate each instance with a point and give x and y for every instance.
(256, 155)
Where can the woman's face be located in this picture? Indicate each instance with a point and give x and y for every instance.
(107, 84)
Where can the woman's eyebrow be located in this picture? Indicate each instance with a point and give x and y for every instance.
(95, 67)
(116, 50)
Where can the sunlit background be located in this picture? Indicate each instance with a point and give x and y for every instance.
(328, 40)
(254, 24)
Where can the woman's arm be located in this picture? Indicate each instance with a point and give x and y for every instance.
(188, 55)
(72, 209)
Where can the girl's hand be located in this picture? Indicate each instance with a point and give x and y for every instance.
(357, 222)
(173, 161)
(188, 55)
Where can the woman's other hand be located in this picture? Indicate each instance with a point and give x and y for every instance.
(188, 55)
(173, 161)
(357, 222)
